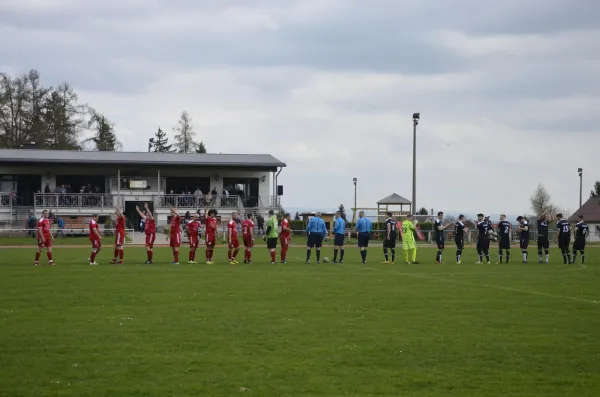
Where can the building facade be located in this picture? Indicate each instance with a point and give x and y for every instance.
(73, 183)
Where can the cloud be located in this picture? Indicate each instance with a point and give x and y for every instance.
(508, 93)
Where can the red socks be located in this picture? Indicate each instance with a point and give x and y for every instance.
(248, 254)
(283, 253)
(176, 256)
(149, 255)
(93, 257)
(229, 255)
(49, 256)
(273, 256)
(235, 252)
(116, 253)
(121, 254)
(37, 256)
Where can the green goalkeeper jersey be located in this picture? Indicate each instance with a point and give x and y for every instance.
(272, 223)
(408, 231)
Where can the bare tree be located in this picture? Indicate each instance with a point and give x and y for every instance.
(185, 134)
(540, 202)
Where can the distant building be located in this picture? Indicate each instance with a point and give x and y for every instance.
(591, 215)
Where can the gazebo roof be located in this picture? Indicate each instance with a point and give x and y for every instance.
(393, 199)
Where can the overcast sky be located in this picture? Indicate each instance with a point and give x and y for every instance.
(508, 90)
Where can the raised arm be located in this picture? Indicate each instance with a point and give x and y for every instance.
(142, 215)
(147, 208)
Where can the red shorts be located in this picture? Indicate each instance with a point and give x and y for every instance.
(150, 240)
(194, 241)
(120, 237)
(47, 243)
(96, 243)
(248, 241)
(210, 240)
(285, 241)
(175, 240)
(234, 243)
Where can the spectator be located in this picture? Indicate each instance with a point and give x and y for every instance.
(260, 224)
(47, 189)
(31, 224)
(60, 222)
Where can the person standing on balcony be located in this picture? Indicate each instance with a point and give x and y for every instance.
(175, 235)
(44, 239)
(47, 189)
(149, 229)
(119, 237)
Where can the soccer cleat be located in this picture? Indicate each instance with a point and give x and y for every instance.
(284, 262)
(174, 263)
(390, 262)
(148, 262)
(334, 261)
(416, 263)
(307, 263)
(364, 262)
(341, 261)
(51, 263)
(318, 262)
(385, 262)
(458, 263)
(439, 262)
(113, 262)
(478, 263)
(36, 263)
(232, 262)
(120, 263)
(93, 263)
(408, 263)
(236, 262)
(273, 263)
(245, 260)
(488, 263)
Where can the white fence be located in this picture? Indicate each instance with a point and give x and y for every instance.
(54, 201)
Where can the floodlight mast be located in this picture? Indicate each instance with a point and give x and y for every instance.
(416, 118)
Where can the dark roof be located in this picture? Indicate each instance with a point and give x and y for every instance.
(135, 158)
(393, 199)
(590, 211)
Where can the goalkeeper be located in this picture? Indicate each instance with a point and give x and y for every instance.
(408, 240)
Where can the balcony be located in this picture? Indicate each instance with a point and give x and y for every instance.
(197, 202)
(6, 200)
(137, 185)
(55, 201)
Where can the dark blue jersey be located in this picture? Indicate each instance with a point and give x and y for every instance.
(392, 226)
(524, 235)
(504, 230)
(564, 229)
(437, 225)
(459, 229)
(482, 228)
(542, 228)
(581, 230)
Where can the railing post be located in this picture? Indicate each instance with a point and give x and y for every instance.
(102, 202)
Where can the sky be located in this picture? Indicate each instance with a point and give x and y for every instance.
(508, 90)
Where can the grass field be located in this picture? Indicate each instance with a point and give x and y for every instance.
(297, 330)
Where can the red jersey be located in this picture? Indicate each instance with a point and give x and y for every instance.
(150, 227)
(175, 224)
(232, 225)
(193, 228)
(211, 226)
(247, 227)
(285, 233)
(120, 224)
(44, 223)
(94, 226)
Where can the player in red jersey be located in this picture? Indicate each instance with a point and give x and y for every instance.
(285, 237)
(175, 235)
(95, 238)
(248, 236)
(193, 232)
(233, 242)
(149, 229)
(45, 238)
(211, 234)
(119, 237)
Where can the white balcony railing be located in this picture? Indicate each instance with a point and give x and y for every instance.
(197, 202)
(80, 200)
(6, 199)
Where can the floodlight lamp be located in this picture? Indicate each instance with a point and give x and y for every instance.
(354, 180)
(416, 116)
(580, 171)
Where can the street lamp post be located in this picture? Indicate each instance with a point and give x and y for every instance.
(354, 216)
(580, 172)
(416, 117)
(150, 144)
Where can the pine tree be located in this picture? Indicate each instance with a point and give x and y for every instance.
(161, 142)
(596, 192)
(201, 148)
(342, 211)
(63, 120)
(297, 217)
(423, 211)
(104, 138)
(184, 134)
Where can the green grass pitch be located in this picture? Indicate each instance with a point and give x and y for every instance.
(296, 329)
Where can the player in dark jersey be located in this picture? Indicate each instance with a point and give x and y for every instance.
(459, 237)
(543, 243)
(439, 228)
(523, 236)
(563, 237)
(389, 241)
(504, 231)
(582, 230)
(483, 242)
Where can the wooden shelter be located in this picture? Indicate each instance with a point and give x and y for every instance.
(400, 206)
(328, 218)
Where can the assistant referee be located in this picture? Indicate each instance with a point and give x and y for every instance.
(363, 228)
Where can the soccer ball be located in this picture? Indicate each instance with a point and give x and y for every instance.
(492, 235)
(326, 260)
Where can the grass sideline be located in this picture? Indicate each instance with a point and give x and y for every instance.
(298, 330)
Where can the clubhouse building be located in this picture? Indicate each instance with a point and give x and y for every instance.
(76, 184)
